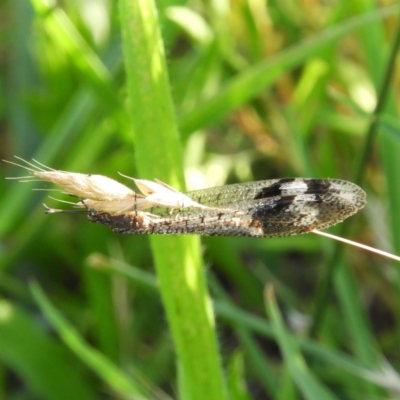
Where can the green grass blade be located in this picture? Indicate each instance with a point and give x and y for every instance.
(158, 155)
(305, 381)
(42, 364)
(110, 374)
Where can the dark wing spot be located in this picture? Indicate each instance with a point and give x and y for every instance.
(274, 190)
(317, 186)
(278, 208)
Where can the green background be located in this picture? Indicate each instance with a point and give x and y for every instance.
(257, 91)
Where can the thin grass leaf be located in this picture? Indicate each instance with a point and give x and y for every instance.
(305, 381)
(116, 379)
(62, 31)
(42, 364)
(262, 75)
(236, 379)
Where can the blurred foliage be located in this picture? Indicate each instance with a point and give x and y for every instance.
(262, 90)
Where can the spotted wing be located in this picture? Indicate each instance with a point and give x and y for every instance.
(279, 207)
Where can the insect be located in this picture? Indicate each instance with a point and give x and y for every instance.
(271, 208)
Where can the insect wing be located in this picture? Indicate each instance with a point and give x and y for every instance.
(277, 207)
(272, 208)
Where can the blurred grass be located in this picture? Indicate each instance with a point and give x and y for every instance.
(260, 92)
